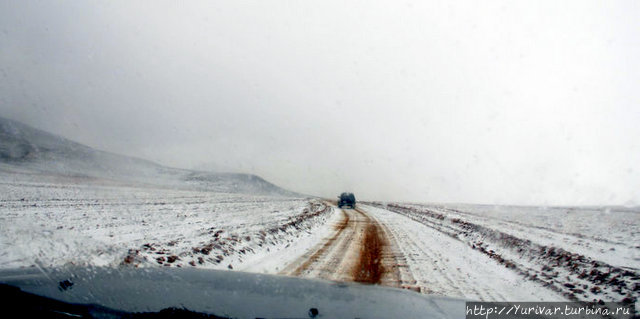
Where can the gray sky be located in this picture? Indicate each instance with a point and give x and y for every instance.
(521, 102)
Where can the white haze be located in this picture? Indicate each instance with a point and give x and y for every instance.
(473, 101)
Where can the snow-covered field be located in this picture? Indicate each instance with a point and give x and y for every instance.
(62, 202)
(467, 251)
(52, 223)
(581, 254)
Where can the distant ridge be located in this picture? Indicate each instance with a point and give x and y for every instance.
(28, 148)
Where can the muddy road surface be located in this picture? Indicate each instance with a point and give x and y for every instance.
(375, 245)
(359, 250)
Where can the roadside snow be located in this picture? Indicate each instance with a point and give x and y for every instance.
(275, 262)
(573, 264)
(103, 224)
(607, 234)
(444, 266)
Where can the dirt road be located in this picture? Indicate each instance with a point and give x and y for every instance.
(378, 246)
(359, 250)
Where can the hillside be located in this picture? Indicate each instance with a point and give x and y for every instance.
(27, 149)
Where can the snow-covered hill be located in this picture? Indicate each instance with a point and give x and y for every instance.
(24, 149)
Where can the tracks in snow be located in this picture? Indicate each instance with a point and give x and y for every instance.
(446, 266)
(358, 250)
(377, 246)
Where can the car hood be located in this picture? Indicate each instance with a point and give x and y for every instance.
(227, 294)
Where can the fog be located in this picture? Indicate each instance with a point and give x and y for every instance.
(498, 103)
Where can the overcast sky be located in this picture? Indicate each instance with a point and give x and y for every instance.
(515, 102)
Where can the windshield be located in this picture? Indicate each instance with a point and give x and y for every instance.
(492, 148)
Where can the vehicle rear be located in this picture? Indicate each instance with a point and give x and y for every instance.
(347, 200)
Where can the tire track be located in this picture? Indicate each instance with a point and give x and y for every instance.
(445, 266)
(369, 267)
(359, 250)
(398, 273)
(299, 270)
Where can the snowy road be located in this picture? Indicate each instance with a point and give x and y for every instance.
(442, 265)
(69, 205)
(471, 252)
(374, 245)
(357, 250)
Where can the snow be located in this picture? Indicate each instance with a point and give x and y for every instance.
(445, 266)
(51, 221)
(448, 250)
(608, 234)
(274, 262)
(63, 203)
(51, 224)
(571, 256)
(31, 152)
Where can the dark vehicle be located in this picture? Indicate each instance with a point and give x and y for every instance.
(346, 200)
